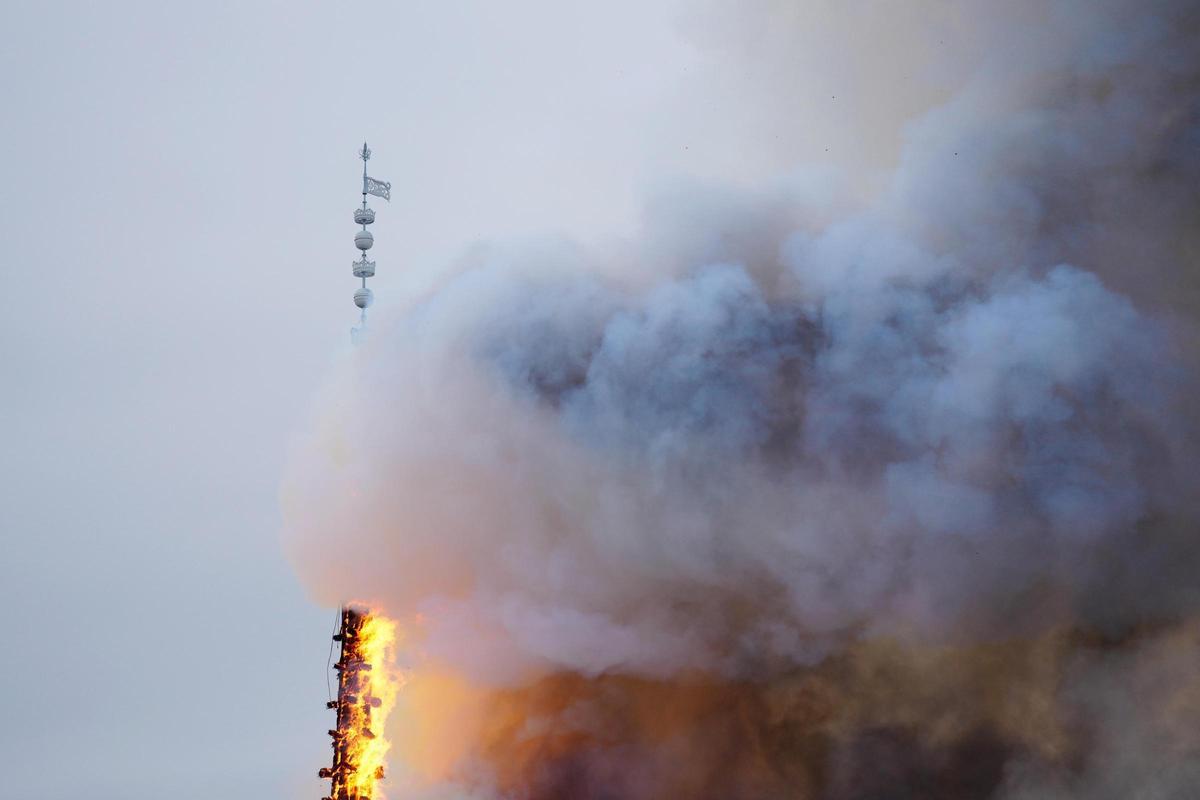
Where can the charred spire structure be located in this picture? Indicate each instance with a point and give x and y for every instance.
(354, 706)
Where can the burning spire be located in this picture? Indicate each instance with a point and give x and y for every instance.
(366, 684)
(366, 694)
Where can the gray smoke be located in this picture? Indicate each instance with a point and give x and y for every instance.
(790, 420)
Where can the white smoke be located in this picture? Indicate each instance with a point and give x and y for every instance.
(787, 418)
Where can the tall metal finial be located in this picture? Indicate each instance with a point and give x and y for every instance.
(363, 240)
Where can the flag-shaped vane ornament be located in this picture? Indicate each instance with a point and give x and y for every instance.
(378, 188)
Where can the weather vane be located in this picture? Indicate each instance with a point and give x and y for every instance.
(363, 240)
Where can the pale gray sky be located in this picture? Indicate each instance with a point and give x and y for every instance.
(177, 182)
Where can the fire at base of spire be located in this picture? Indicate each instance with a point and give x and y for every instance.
(367, 686)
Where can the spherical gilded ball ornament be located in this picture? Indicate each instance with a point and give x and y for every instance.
(363, 240)
(363, 297)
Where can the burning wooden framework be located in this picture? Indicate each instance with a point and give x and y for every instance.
(353, 774)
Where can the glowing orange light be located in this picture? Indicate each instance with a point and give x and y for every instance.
(367, 687)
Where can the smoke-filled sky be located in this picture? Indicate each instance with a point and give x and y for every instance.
(764, 399)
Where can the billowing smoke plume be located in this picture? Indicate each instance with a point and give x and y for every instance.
(836, 487)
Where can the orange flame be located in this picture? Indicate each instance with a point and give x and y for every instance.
(367, 689)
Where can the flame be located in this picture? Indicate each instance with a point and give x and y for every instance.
(378, 642)
(367, 690)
